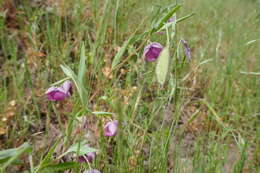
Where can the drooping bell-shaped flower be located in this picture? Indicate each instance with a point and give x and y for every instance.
(186, 49)
(152, 51)
(59, 93)
(110, 128)
(89, 157)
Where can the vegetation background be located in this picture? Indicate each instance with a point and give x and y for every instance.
(204, 119)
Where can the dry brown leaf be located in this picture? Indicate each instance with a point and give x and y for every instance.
(132, 161)
(3, 131)
(107, 72)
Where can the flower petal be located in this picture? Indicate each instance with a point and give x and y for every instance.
(110, 128)
(67, 87)
(60, 93)
(152, 51)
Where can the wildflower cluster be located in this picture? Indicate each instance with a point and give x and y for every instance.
(65, 91)
(151, 53)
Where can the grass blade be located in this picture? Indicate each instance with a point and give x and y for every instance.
(82, 65)
(14, 154)
(185, 17)
(48, 157)
(102, 113)
(122, 50)
(60, 81)
(59, 167)
(165, 19)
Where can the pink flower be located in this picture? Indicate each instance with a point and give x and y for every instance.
(59, 93)
(110, 128)
(89, 157)
(152, 51)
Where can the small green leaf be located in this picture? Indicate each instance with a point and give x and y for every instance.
(162, 65)
(69, 72)
(83, 149)
(79, 148)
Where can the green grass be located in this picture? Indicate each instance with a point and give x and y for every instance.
(205, 118)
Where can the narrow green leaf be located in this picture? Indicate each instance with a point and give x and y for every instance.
(7, 153)
(162, 65)
(122, 50)
(193, 116)
(185, 17)
(15, 162)
(214, 113)
(60, 81)
(59, 167)
(48, 157)
(103, 113)
(168, 25)
(250, 73)
(165, 19)
(82, 65)
(240, 164)
(14, 154)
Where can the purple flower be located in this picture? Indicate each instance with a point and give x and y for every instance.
(59, 93)
(89, 157)
(187, 49)
(152, 51)
(110, 128)
(92, 171)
